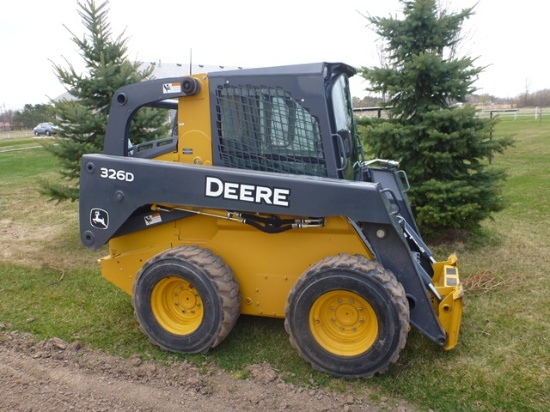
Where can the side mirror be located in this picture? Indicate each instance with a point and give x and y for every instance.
(345, 136)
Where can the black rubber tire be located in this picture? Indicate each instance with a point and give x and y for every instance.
(368, 282)
(216, 289)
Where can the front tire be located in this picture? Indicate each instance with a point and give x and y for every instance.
(348, 316)
(186, 300)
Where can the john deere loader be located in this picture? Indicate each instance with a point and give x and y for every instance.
(259, 201)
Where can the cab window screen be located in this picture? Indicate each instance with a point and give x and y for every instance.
(262, 128)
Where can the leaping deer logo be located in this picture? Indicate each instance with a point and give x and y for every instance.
(99, 218)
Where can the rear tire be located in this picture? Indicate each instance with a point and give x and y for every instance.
(348, 316)
(186, 300)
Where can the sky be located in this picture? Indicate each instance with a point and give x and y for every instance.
(508, 39)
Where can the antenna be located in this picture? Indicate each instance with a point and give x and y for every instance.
(190, 62)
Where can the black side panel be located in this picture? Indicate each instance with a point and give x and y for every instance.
(120, 185)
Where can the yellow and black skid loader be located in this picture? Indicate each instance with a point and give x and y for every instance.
(259, 201)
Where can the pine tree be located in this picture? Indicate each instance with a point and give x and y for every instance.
(31, 115)
(444, 148)
(82, 120)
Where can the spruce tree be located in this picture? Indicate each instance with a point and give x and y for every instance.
(444, 147)
(82, 119)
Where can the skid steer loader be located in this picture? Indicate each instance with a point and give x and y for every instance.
(260, 202)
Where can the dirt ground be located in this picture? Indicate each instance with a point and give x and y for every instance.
(53, 375)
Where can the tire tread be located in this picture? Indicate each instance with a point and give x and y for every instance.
(220, 274)
(373, 269)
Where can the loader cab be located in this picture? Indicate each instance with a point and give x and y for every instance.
(289, 119)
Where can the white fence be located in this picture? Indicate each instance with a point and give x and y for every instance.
(527, 112)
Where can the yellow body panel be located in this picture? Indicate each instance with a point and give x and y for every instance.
(194, 129)
(266, 266)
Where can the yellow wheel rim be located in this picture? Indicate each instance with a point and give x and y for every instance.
(343, 323)
(177, 306)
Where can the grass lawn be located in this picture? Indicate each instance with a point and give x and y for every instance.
(51, 286)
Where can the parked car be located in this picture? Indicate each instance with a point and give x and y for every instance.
(47, 128)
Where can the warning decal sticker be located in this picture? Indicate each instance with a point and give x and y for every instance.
(171, 88)
(152, 219)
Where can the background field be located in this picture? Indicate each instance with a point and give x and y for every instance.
(51, 286)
